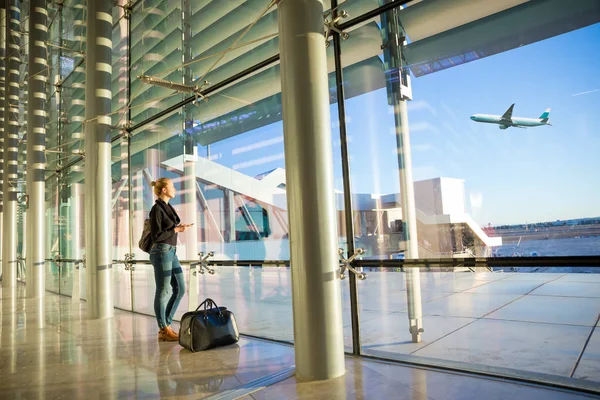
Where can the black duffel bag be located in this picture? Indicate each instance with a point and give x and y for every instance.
(213, 326)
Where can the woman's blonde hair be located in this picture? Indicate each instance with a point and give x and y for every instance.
(159, 185)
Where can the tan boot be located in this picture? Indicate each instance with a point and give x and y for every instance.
(173, 331)
(166, 334)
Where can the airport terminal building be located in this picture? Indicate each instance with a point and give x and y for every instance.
(371, 237)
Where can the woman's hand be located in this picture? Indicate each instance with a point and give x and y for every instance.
(182, 227)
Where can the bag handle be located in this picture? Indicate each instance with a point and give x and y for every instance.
(208, 303)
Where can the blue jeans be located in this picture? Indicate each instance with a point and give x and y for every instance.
(170, 286)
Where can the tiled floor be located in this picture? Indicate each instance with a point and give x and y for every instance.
(49, 350)
(532, 322)
(72, 357)
(373, 380)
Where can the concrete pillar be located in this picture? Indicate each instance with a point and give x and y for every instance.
(2, 108)
(98, 221)
(317, 310)
(36, 145)
(11, 128)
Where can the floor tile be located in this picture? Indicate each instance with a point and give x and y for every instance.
(536, 276)
(589, 366)
(595, 277)
(572, 289)
(551, 310)
(526, 346)
(507, 287)
(390, 334)
(471, 305)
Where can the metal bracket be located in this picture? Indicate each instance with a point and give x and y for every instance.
(127, 9)
(57, 260)
(129, 266)
(126, 130)
(203, 264)
(199, 96)
(179, 87)
(345, 264)
(332, 25)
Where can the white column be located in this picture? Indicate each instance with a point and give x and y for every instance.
(36, 145)
(2, 108)
(11, 139)
(317, 310)
(98, 221)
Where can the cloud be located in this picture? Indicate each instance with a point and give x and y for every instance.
(423, 126)
(589, 91)
(258, 145)
(420, 147)
(421, 105)
(450, 112)
(260, 161)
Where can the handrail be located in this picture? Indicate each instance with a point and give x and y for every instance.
(566, 261)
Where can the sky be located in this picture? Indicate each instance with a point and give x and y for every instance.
(511, 176)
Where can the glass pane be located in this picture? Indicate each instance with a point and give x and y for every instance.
(151, 149)
(214, 41)
(64, 140)
(120, 67)
(121, 226)
(71, 239)
(259, 295)
(156, 47)
(52, 235)
(237, 152)
(373, 146)
(499, 319)
(121, 286)
(484, 186)
(237, 145)
(465, 174)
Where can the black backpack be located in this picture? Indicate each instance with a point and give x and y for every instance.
(145, 242)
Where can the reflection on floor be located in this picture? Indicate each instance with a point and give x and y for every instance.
(375, 380)
(532, 322)
(48, 349)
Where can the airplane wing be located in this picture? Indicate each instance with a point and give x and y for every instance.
(508, 114)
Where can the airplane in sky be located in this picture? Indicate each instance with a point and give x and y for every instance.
(507, 120)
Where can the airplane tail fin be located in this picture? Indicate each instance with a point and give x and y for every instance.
(544, 117)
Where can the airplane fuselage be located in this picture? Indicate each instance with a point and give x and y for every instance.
(514, 121)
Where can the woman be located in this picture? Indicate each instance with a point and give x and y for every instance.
(170, 287)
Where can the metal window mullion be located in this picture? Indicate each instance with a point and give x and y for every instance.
(129, 163)
(348, 210)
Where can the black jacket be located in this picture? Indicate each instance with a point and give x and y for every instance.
(163, 220)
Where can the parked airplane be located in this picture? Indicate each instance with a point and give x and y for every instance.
(507, 120)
